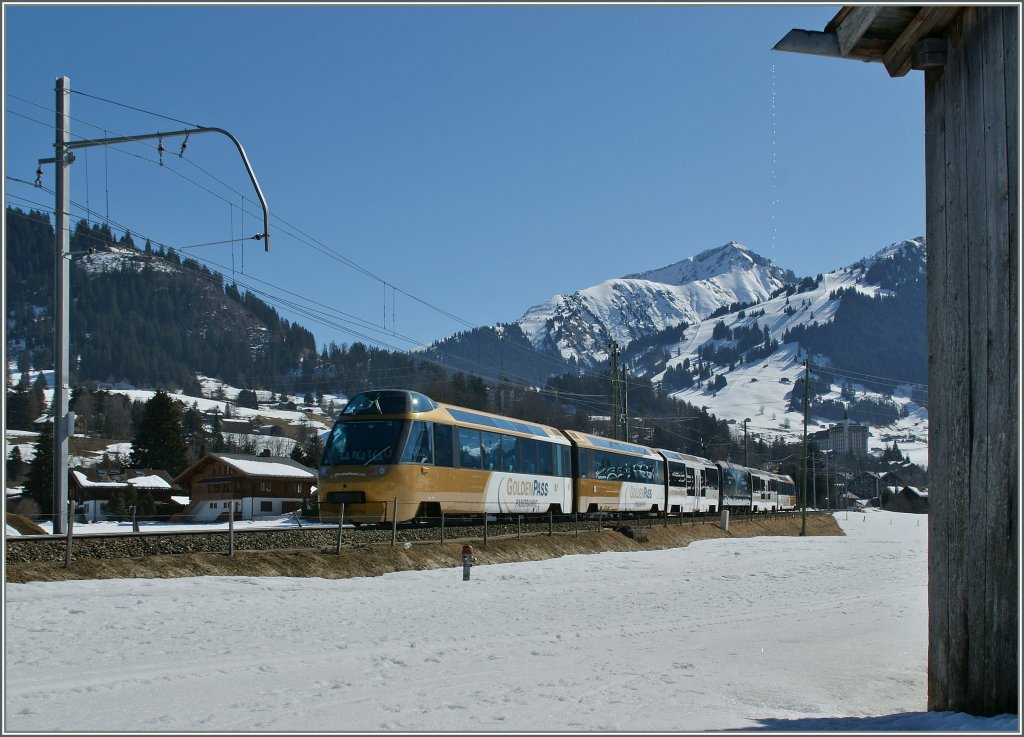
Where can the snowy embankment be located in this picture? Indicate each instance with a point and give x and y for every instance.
(783, 633)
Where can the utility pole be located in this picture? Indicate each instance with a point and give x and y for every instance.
(746, 452)
(625, 406)
(61, 318)
(63, 421)
(803, 503)
(814, 475)
(614, 349)
(828, 493)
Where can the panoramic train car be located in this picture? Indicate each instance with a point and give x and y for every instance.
(692, 483)
(390, 445)
(616, 476)
(764, 495)
(735, 486)
(785, 490)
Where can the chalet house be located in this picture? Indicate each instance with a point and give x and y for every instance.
(92, 488)
(869, 484)
(259, 486)
(910, 499)
(237, 425)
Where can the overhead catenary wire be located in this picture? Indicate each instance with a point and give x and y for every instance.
(317, 245)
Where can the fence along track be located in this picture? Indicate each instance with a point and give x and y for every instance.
(37, 548)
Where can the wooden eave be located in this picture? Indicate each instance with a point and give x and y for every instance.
(897, 36)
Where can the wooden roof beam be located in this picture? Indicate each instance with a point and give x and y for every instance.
(899, 59)
(853, 27)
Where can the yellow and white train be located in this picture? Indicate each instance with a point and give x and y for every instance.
(399, 455)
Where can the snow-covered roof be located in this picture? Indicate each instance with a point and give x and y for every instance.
(269, 467)
(149, 482)
(140, 481)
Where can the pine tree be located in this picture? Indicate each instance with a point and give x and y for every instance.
(39, 481)
(159, 441)
(145, 504)
(14, 464)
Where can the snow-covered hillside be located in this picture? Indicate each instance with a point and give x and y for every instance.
(218, 397)
(761, 389)
(635, 309)
(120, 258)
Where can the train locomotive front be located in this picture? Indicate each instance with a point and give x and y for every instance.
(397, 455)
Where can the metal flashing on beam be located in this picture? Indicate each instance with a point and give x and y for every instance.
(809, 42)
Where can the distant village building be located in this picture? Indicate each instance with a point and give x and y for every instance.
(909, 499)
(93, 488)
(259, 486)
(868, 484)
(843, 438)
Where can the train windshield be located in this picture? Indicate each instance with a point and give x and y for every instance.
(362, 443)
(388, 402)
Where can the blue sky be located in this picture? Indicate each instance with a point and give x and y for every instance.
(472, 161)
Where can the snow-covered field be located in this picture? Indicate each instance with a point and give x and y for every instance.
(784, 633)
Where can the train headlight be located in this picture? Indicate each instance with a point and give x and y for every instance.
(381, 470)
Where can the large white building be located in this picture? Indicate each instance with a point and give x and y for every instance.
(846, 437)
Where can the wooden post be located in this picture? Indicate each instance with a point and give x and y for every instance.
(71, 524)
(231, 529)
(972, 172)
(341, 522)
(394, 522)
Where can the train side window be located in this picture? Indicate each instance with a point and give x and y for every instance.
(420, 446)
(564, 460)
(491, 443)
(545, 458)
(527, 455)
(469, 448)
(510, 452)
(443, 455)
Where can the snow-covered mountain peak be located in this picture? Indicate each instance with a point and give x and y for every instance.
(913, 248)
(712, 263)
(582, 324)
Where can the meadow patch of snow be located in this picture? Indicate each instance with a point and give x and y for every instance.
(771, 633)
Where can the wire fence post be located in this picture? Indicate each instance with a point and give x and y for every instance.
(576, 523)
(442, 525)
(551, 522)
(341, 522)
(519, 531)
(231, 529)
(394, 522)
(71, 523)
(485, 527)
(135, 518)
